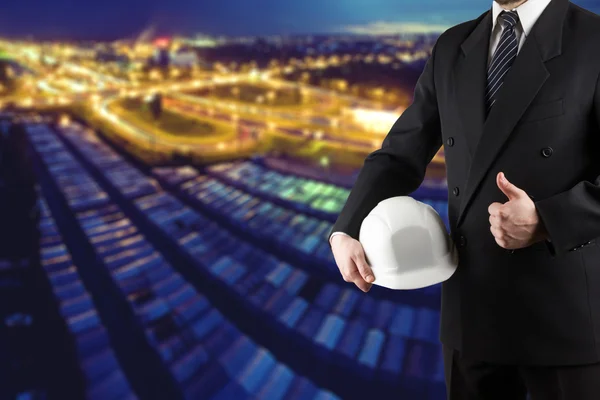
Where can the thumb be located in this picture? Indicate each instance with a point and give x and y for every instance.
(509, 189)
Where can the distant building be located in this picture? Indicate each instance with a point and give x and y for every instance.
(376, 121)
(184, 57)
(109, 55)
(201, 41)
(162, 58)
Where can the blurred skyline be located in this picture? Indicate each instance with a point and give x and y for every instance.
(115, 19)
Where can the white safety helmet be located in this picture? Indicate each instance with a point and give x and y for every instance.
(407, 245)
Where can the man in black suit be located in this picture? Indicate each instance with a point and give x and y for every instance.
(514, 98)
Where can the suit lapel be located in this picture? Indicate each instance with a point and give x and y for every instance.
(470, 80)
(521, 84)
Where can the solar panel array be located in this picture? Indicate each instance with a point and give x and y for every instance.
(218, 283)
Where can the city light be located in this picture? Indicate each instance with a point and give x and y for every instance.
(64, 120)
(162, 42)
(329, 112)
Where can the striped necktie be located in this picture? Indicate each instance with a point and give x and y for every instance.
(503, 58)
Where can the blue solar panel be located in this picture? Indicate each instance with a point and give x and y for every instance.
(367, 307)
(257, 371)
(204, 386)
(83, 322)
(206, 324)
(371, 350)
(56, 251)
(64, 277)
(114, 387)
(384, 314)
(261, 295)
(311, 322)
(171, 348)
(402, 323)
(301, 389)
(186, 367)
(236, 357)
(193, 308)
(278, 276)
(278, 384)
(100, 365)
(77, 306)
(169, 285)
(295, 282)
(426, 325)
(184, 294)
(393, 355)
(92, 341)
(331, 331)
(309, 243)
(158, 273)
(223, 263)
(347, 302)
(292, 314)
(278, 301)
(352, 338)
(325, 395)
(233, 273)
(155, 310)
(422, 359)
(232, 391)
(327, 296)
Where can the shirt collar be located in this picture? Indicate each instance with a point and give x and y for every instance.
(529, 12)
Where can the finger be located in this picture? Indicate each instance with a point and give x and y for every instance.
(363, 267)
(362, 285)
(509, 189)
(346, 268)
(347, 278)
(350, 272)
(494, 208)
(357, 279)
(502, 243)
(497, 232)
(494, 220)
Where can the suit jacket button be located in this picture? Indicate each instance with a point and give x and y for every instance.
(450, 141)
(547, 152)
(455, 191)
(462, 241)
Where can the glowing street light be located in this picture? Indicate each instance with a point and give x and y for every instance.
(64, 120)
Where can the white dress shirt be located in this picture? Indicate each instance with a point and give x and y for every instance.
(529, 12)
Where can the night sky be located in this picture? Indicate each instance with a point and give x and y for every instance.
(113, 19)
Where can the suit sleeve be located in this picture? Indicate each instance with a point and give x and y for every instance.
(398, 167)
(572, 218)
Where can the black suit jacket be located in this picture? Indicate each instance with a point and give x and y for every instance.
(536, 305)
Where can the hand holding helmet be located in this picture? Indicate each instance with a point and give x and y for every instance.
(402, 242)
(350, 259)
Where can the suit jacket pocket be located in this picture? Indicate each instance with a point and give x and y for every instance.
(544, 110)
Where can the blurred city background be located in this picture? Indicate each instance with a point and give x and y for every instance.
(169, 173)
